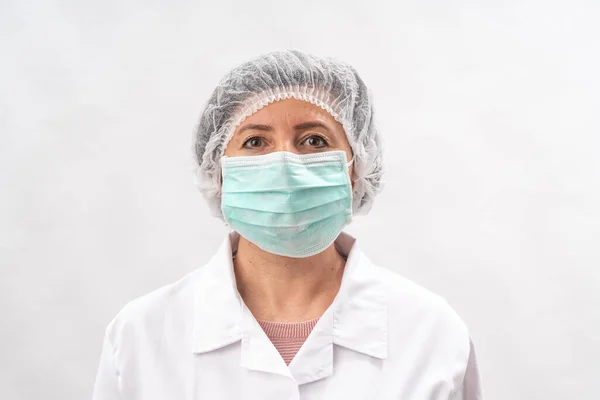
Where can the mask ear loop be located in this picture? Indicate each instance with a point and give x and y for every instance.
(348, 165)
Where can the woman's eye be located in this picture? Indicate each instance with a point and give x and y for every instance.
(253, 143)
(315, 141)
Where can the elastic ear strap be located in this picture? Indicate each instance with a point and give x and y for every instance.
(349, 163)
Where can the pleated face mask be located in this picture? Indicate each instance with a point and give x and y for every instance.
(288, 204)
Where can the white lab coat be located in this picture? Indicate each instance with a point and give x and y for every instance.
(383, 338)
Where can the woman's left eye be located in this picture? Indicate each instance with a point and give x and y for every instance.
(315, 141)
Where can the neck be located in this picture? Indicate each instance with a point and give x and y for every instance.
(279, 288)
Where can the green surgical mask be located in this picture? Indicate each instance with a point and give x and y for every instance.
(288, 204)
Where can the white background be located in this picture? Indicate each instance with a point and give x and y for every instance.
(490, 113)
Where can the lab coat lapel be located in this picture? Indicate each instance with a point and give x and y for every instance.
(361, 318)
(314, 360)
(357, 319)
(218, 306)
(258, 352)
(221, 317)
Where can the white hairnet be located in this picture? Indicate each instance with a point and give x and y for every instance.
(335, 86)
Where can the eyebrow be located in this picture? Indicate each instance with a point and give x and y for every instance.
(255, 127)
(311, 124)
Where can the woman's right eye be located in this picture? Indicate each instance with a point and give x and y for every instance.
(253, 143)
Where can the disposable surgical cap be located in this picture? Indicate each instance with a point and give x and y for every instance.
(333, 85)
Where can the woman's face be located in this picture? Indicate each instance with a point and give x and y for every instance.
(290, 125)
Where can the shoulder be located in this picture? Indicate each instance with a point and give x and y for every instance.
(417, 315)
(408, 296)
(149, 315)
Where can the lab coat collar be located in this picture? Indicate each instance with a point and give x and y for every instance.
(356, 320)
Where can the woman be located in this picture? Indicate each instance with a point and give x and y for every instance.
(289, 307)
